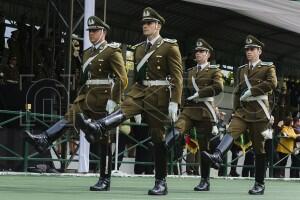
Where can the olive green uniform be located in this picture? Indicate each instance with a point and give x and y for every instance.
(92, 98)
(210, 83)
(250, 115)
(153, 101)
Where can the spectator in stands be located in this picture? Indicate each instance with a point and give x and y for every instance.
(285, 145)
(2, 34)
(295, 173)
(10, 71)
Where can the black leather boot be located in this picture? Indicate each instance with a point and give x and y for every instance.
(260, 169)
(203, 185)
(160, 188)
(216, 158)
(95, 130)
(205, 173)
(103, 184)
(171, 137)
(257, 189)
(43, 141)
(160, 158)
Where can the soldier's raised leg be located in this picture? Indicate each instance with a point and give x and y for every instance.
(236, 128)
(43, 141)
(97, 129)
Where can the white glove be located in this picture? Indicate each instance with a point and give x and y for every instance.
(110, 106)
(215, 130)
(138, 118)
(193, 96)
(246, 95)
(173, 109)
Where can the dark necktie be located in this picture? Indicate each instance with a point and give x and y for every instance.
(148, 46)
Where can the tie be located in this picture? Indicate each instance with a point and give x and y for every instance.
(93, 50)
(198, 67)
(148, 46)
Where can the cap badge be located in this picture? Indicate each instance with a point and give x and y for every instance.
(91, 22)
(199, 44)
(146, 13)
(248, 41)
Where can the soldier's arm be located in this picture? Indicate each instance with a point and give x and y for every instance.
(215, 88)
(267, 85)
(175, 67)
(236, 90)
(121, 80)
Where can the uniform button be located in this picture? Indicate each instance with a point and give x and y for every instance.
(100, 70)
(105, 91)
(158, 67)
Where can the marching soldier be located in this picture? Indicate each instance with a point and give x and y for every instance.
(103, 80)
(255, 80)
(204, 82)
(155, 94)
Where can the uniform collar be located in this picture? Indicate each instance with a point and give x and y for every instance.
(99, 44)
(254, 64)
(153, 40)
(202, 66)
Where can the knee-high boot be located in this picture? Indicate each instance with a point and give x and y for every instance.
(260, 170)
(103, 183)
(160, 156)
(204, 184)
(216, 158)
(44, 140)
(95, 130)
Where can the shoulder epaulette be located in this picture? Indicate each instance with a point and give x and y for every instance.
(139, 44)
(266, 63)
(243, 66)
(172, 41)
(114, 45)
(214, 66)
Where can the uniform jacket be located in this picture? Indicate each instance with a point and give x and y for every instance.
(210, 83)
(263, 80)
(108, 62)
(164, 62)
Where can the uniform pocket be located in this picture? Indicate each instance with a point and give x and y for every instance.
(96, 98)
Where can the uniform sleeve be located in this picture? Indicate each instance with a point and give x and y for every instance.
(175, 66)
(215, 88)
(121, 80)
(269, 84)
(236, 90)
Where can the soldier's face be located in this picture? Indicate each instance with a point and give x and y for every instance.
(202, 56)
(96, 35)
(151, 28)
(253, 53)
